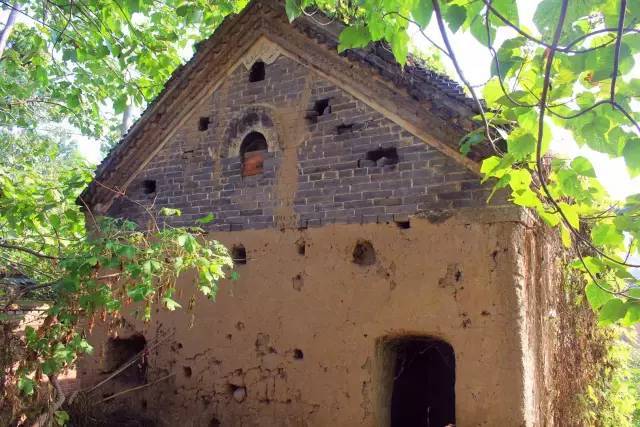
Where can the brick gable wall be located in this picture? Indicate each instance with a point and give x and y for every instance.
(316, 170)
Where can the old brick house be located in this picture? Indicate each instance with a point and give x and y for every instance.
(376, 287)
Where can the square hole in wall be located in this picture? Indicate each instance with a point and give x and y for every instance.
(149, 186)
(257, 72)
(203, 123)
(383, 156)
(322, 107)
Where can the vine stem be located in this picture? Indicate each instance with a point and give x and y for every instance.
(456, 65)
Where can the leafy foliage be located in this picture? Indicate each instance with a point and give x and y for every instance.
(79, 66)
(613, 399)
(47, 252)
(86, 62)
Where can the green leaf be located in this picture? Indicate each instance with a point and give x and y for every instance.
(612, 311)
(61, 418)
(120, 104)
(594, 132)
(508, 9)
(582, 166)
(489, 165)
(527, 198)
(210, 217)
(138, 293)
(492, 91)
(377, 28)
(455, 16)
(521, 145)
(631, 153)
(469, 140)
(353, 38)
(565, 236)
(170, 212)
(73, 100)
(171, 304)
(422, 11)
(293, 9)
(479, 31)
(183, 10)
(571, 213)
(633, 314)
(596, 296)
(133, 5)
(551, 219)
(26, 385)
(127, 251)
(41, 76)
(400, 46)
(606, 234)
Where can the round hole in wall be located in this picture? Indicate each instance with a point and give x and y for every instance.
(364, 253)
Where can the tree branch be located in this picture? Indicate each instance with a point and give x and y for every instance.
(616, 58)
(4, 244)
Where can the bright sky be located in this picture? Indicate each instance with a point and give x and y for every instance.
(475, 62)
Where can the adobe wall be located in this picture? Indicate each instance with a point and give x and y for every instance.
(301, 333)
(457, 278)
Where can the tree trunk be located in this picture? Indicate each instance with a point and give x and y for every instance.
(8, 26)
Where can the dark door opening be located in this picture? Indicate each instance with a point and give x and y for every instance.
(423, 383)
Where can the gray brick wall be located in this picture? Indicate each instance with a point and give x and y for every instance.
(199, 171)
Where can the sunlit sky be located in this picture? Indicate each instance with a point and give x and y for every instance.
(475, 61)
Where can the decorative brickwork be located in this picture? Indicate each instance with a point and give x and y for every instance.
(353, 165)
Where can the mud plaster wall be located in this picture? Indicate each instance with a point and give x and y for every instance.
(297, 333)
(313, 174)
(293, 342)
(559, 331)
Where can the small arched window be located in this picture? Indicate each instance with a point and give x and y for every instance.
(252, 151)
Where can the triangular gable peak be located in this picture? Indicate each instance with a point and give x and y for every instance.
(428, 105)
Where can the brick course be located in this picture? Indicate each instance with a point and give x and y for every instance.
(199, 171)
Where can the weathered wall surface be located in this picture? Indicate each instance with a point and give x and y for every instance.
(299, 333)
(316, 161)
(563, 345)
(452, 279)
